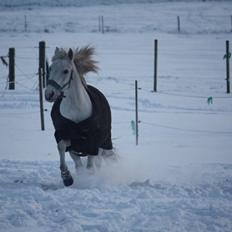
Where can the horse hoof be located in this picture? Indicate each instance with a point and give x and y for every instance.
(68, 182)
(67, 178)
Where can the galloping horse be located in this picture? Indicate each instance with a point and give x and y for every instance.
(81, 114)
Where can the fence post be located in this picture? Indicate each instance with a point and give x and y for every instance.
(136, 113)
(41, 99)
(231, 22)
(228, 54)
(42, 61)
(11, 68)
(178, 23)
(25, 23)
(99, 23)
(102, 23)
(155, 65)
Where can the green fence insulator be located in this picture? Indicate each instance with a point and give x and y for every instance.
(210, 100)
(133, 127)
(225, 56)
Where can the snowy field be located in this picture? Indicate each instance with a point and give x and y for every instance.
(179, 177)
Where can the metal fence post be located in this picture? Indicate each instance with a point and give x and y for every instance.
(155, 65)
(42, 61)
(41, 99)
(228, 54)
(136, 113)
(11, 68)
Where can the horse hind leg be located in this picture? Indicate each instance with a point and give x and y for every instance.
(65, 174)
(96, 160)
(106, 154)
(109, 155)
(76, 159)
(90, 162)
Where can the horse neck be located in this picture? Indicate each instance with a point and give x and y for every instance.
(76, 105)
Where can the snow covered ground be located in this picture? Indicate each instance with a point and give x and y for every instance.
(179, 177)
(195, 17)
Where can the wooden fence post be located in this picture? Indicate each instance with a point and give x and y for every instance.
(231, 23)
(102, 23)
(42, 61)
(136, 113)
(41, 98)
(228, 54)
(155, 65)
(99, 23)
(25, 23)
(178, 23)
(11, 68)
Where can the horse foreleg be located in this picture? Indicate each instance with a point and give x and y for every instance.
(65, 174)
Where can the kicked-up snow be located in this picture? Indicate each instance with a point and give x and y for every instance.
(34, 199)
(179, 177)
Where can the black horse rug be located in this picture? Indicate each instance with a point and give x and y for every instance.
(88, 135)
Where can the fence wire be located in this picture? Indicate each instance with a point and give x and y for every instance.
(128, 86)
(146, 22)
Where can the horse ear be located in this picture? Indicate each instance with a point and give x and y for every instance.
(70, 54)
(57, 50)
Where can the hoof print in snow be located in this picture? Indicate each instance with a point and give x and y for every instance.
(51, 187)
(18, 181)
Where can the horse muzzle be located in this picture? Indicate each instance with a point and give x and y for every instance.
(50, 95)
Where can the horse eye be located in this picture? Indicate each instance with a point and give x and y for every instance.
(66, 71)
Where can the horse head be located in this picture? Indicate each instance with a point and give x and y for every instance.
(60, 74)
(64, 66)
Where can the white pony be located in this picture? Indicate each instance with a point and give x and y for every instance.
(81, 114)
